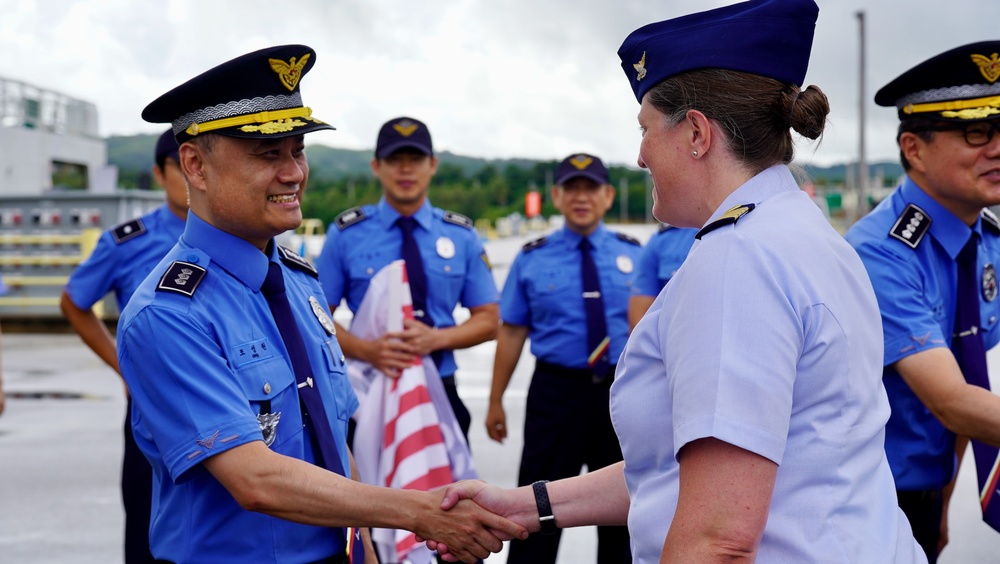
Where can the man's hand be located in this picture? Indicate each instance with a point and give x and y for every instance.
(422, 337)
(391, 355)
(464, 530)
(496, 422)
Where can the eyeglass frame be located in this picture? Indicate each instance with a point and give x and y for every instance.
(992, 125)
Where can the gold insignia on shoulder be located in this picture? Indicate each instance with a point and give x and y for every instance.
(405, 127)
(736, 212)
(640, 67)
(289, 72)
(989, 66)
(581, 162)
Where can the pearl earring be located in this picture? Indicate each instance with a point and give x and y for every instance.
(694, 153)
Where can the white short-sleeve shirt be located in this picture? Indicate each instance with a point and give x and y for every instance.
(767, 338)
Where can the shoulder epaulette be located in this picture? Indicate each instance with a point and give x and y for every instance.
(350, 217)
(731, 216)
(534, 244)
(181, 277)
(293, 260)
(628, 239)
(911, 226)
(128, 230)
(457, 219)
(990, 221)
(664, 227)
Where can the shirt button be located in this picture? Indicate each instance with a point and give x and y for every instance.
(447, 268)
(193, 258)
(267, 388)
(370, 271)
(993, 319)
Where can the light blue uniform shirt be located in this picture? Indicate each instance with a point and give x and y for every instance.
(661, 257)
(917, 297)
(768, 339)
(544, 292)
(455, 263)
(200, 368)
(124, 255)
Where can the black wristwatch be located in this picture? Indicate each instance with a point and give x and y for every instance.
(545, 516)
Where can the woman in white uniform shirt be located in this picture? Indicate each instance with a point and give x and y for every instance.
(748, 401)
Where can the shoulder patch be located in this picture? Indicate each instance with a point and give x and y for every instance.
(731, 216)
(628, 239)
(181, 277)
(990, 221)
(293, 260)
(128, 230)
(534, 244)
(350, 217)
(457, 219)
(911, 226)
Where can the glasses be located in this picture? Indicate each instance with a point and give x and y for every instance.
(976, 134)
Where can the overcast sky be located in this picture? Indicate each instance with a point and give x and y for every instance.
(491, 78)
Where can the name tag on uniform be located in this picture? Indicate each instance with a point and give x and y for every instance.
(253, 351)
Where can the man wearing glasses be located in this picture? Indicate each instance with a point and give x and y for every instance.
(931, 250)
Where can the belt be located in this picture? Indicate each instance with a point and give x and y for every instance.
(566, 371)
(918, 496)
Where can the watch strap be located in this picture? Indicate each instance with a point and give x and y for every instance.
(545, 516)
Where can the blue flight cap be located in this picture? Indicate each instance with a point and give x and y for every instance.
(254, 96)
(166, 146)
(581, 164)
(957, 85)
(770, 38)
(403, 133)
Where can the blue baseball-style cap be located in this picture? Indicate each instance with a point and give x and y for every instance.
(958, 85)
(770, 38)
(581, 164)
(253, 96)
(403, 133)
(166, 146)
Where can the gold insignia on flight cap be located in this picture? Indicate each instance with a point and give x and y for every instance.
(581, 162)
(289, 72)
(405, 127)
(989, 66)
(640, 67)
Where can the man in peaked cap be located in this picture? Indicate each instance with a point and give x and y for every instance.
(568, 293)
(445, 261)
(240, 397)
(122, 258)
(930, 250)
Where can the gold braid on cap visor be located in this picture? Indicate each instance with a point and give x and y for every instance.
(976, 108)
(272, 121)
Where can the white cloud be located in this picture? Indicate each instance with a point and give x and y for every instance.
(512, 78)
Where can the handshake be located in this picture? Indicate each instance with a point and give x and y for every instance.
(474, 519)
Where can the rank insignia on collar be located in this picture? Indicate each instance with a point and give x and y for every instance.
(128, 230)
(732, 215)
(268, 423)
(911, 226)
(324, 318)
(289, 73)
(989, 282)
(182, 278)
(640, 68)
(988, 66)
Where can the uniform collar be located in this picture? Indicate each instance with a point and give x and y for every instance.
(169, 219)
(237, 256)
(389, 215)
(946, 228)
(767, 183)
(572, 238)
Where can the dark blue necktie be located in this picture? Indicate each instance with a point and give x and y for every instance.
(598, 341)
(414, 269)
(967, 345)
(310, 400)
